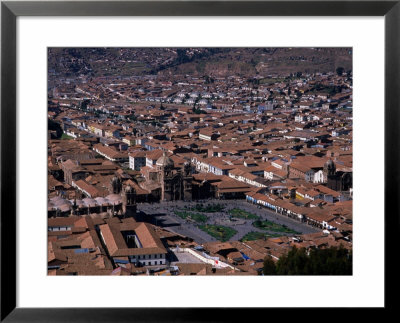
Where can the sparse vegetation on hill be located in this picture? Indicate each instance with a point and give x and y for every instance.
(201, 62)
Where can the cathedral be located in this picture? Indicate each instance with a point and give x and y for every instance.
(175, 182)
(128, 195)
(164, 182)
(129, 202)
(337, 180)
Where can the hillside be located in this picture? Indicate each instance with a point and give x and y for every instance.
(216, 62)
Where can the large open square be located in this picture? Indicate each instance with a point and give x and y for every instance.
(224, 220)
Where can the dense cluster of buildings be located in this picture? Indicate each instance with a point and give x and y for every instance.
(285, 145)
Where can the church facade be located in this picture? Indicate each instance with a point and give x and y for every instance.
(175, 182)
(337, 180)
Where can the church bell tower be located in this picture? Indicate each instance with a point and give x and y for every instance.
(129, 202)
(187, 181)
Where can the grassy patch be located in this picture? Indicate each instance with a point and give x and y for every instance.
(258, 235)
(197, 217)
(269, 80)
(239, 213)
(209, 208)
(273, 227)
(66, 137)
(219, 232)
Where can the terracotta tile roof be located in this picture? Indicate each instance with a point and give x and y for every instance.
(138, 154)
(62, 221)
(116, 244)
(154, 154)
(90, 189)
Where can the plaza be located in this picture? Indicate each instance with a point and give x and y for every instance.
(164, 215)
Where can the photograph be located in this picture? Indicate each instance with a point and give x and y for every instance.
(207, 142)
(207, 161)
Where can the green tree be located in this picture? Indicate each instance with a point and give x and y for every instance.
(84, 104)
(55, 126)
(209, 79)
(269, 266)
(339, 71)
(294, 263)
(331, 261)
(328, 261)
(132, 117)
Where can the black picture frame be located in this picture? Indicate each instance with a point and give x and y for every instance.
(10, 10)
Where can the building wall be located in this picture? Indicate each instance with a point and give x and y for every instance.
(309, 176)
(137, 163)
(149, 259)
(319, 177)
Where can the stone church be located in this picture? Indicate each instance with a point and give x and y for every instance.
(175, 182)
(337, 180)
(128, 195)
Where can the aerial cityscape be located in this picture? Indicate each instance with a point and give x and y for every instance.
(200, 161)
